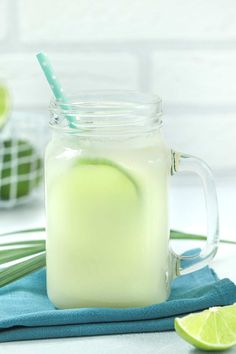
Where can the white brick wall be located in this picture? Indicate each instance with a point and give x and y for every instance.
(210, 136)
(90, 20)
(76, 71)
(198, 77)
(185, 50)
(3, 25)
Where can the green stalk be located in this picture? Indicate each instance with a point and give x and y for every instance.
(37, 229)
(178, 235)
(20, 249)
(8, 255)
(30, 243)
(21, 269)
(174, 234)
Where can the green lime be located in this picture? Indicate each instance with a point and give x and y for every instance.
(105, 163)
(213, 329)
(100, 197)
(21, 169)
(4, 105)
(94, 181)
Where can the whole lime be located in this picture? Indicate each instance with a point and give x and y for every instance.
(4, 105)
(21, 169)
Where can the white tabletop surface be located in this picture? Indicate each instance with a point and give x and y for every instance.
(189, 218)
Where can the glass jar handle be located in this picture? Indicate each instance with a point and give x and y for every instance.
(184, 264)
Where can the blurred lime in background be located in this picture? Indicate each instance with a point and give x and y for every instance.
(20, 169)
(4, 104)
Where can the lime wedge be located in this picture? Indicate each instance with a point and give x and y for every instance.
(95, 197)
(213, 329)
(4, 105)
(105, 163)
(96, 183)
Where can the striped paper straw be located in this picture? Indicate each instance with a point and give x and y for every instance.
(54, 83)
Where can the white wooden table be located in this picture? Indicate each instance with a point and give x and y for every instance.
(148, 343)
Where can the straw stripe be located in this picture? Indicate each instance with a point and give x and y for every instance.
(54, 84)
(51, 77)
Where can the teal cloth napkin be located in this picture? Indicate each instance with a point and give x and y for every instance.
(27, 313)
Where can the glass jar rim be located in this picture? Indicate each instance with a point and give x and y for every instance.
(102, 110)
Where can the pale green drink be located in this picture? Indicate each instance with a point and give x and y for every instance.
(108, 227)
(107, 217)
(107, 176)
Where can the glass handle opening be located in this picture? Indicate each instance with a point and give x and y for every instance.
(183, 264)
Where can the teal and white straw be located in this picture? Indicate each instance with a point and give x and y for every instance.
(54, 83)
(51, 77)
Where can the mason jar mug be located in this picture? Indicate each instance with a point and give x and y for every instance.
(107, 180)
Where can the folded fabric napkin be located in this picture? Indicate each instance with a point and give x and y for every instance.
(27, 313)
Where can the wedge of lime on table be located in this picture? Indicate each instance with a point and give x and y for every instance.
(213, 329)
(20, 169)
(4, 105)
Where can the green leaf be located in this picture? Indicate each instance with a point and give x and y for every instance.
(18, 250)
(30, 243)
(174, 234)
(37, 229)
(178, 235)
(22, 268)
(8, 255)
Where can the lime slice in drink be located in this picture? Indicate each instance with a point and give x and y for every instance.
(4, 105)
(213, 329)
(100, 197)
(91, 182)
(105, 164)
(91, 177)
